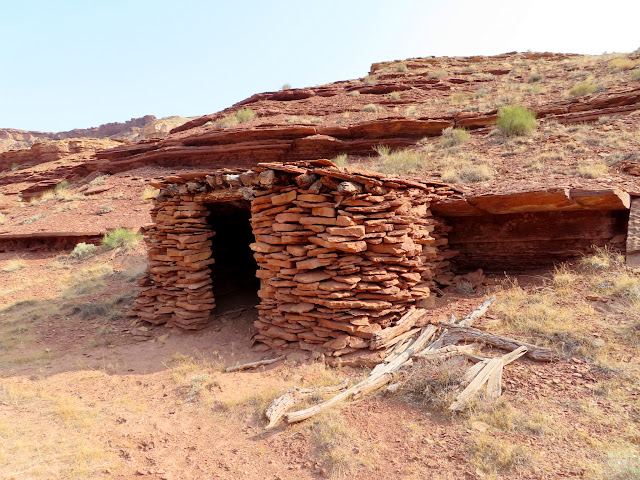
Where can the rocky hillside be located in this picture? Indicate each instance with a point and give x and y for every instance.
(434, 118)
(132, 130)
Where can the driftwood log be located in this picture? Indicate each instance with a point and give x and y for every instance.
(488, 371)
(375, 381)
(459, 333)
(249, 366)
(286, 402)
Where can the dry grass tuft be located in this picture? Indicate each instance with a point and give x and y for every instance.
(494, 455)
(149, 193)
(13, 266)
(399, 162)
(454, 136)
(333, 440)
(592, 170)
(435, 383)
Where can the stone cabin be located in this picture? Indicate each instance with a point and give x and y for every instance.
(338, 256)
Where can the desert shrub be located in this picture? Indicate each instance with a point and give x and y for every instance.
(14, 166)
(83, 250)
(434, 383)
(286, 86)
(622, 64)
(601, 259)
(582, 88)
(354, 93)
(225, 122)
(535, 77)
(13, 266)
(438, 74)
(481, 92)
(150, 193)
(104, 209)
(32, 218)
(334, 439)
(61, 186)
(466, 172)
(341, 160)
(394, 96)
(372, 108)
(622, 468)
(454, 136)
(635, 74)
(410, 111)
(120, 237)
(592, 169)
(400, 162)
(402, 68)
(370, 80)
(492, 454)
(245, 115)
(516, 120)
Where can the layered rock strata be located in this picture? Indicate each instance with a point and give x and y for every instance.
(341, 255)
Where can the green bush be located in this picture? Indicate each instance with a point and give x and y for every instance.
(454, 136)
(245, 115)
(583, 88)
(516, 120)
(83, 250)
(402, 68)
(120, 237)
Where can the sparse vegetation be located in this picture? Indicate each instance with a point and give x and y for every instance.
(149, 193)
(402, 68)
(13, 266)
(492, 454)
(434, 383)
(466, 172)
(438, 74)
(83, 250)
(33, 219)
(516, 120)
(334, 439)
(120, 237)
(582, 88)
(395, 96)
(341, 160)
(370, 80)
(535, 77)
(399, 162)
(372, 108)
(454, 136)
(286, 86)
(635, 74)
(354, 93)
(245, 115)
(622, 64)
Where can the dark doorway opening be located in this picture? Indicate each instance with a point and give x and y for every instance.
(235, 284)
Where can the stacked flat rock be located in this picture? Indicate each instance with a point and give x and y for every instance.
(177, 290)
(342, 255)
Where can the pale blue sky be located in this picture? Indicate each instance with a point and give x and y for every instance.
(79, 63)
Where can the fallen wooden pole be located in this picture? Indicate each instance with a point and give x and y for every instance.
(249, 366)
(383, 376)
(488, 371)
(285, 402)
(458, 333)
